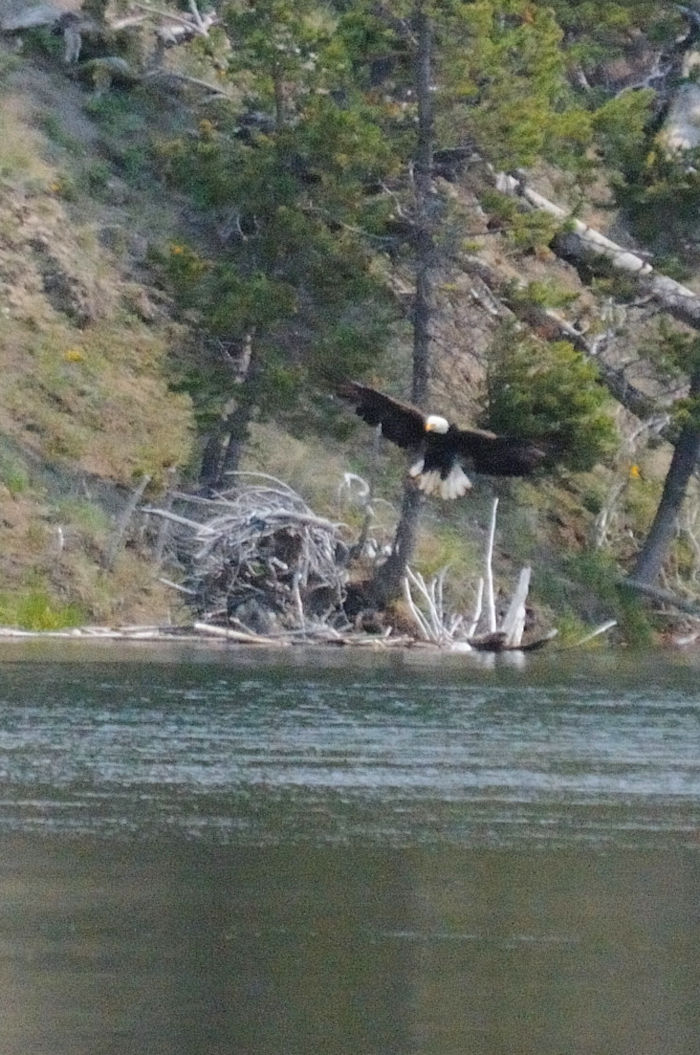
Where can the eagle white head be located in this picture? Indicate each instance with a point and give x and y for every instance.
(436, 423)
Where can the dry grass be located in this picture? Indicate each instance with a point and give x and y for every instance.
(85, 378)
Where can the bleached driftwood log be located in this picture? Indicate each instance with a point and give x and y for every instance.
(488, 572)
(435, 624)
(513, 623)
(579, 240)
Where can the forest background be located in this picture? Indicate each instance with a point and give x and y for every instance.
(213, 213)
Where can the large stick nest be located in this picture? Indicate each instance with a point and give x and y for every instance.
(258, 556)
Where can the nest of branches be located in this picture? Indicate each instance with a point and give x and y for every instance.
(257, 556)
(256, 560)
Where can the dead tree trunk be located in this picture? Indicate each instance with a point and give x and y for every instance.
(225, 445)
(685, 457)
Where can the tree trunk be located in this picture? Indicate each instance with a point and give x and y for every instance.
(425, 219)
(278, 87)
(238, 426)
(387, 583)
(683, 462)
(223, 450)
(210, 465)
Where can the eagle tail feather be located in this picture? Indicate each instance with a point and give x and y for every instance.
(454, 485)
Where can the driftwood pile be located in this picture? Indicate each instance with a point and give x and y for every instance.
(258, 558)
(256, 563)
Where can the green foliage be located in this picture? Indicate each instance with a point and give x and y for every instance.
(203, 164)
(299, 191)
(85, 516)
(686, 412)
(185, 268)
(614, 21)
(675, 354)
(35, 609)
(53, 127)
(661, 195)
(620, 129)
(279, 49)
(503, 70)
(549, 393)
(8, 64)
(597, 571)
(588, 589)
(445, 545)
(596, 30)
(117, 112)
(42, 42)
(659, 191)
(65, 187)
(13, 474)
(296, 277)
(525, 230)
(96, 176)
(545, 294)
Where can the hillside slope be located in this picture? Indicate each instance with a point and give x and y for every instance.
(86, 411)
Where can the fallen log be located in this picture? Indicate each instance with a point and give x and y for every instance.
(579, 240)
(683, 604)
(498, 642)
(237, 635)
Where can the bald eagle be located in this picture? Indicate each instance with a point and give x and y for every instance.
(441, 448)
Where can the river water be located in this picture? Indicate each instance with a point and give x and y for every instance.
(212, 851)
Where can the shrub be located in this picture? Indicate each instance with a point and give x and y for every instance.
(550, 394)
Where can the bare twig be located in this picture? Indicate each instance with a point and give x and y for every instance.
(173, 75)
(421, 622)
(603, 629)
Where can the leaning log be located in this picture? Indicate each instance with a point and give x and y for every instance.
(683, 604)
(579, 241)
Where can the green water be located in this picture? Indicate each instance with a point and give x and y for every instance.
(206, 852)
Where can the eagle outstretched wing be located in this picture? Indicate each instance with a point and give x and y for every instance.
(495, 455)
(488, 453)
(400, 422)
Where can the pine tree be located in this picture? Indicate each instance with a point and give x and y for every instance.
(293, 296)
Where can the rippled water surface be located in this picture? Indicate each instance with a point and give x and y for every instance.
(224, 851)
